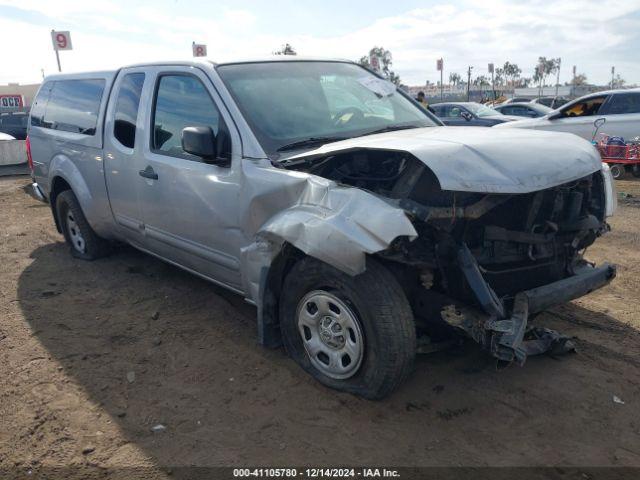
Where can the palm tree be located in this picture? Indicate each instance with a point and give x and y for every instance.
(286, 49)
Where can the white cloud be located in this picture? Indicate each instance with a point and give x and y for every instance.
(589, 33)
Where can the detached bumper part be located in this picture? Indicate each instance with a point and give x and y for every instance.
(510, 338)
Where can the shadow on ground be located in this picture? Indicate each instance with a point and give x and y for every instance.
(152, 345)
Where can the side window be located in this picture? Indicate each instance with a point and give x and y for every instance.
(454, 112)
(507, 110)
(126, 112)
(39, 105)
(624, 103)
(183, 101)
(585, 108)
(74, 105)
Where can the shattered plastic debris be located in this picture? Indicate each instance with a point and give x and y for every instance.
(159, 428)
(131, 377)
(618, 400)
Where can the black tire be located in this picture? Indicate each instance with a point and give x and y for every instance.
(617, 171)
(68, 210)
(636, 171)
(384, 315)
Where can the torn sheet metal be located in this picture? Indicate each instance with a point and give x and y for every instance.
(335, 224)
(488, 160)
(339, 225)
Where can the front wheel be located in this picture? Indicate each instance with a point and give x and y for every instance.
(354, 334)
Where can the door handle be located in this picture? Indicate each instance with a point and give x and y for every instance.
(148, 173)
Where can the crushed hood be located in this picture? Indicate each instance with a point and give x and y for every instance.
(474, 159)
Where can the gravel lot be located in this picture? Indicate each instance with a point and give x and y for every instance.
(95, 354)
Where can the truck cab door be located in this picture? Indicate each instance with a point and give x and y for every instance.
(122, 142)
(190, 204)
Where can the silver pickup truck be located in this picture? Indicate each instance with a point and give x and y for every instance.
(355, 222)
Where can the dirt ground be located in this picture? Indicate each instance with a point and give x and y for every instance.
(95, 354)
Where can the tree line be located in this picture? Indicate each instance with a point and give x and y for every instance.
(508, 75)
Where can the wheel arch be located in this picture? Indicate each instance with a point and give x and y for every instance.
(58, 185)
(341, 230)
(270, 287)
(65, 175)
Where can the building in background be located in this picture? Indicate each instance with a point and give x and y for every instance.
(16, 98)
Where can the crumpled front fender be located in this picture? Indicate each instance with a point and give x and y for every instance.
(337, 225)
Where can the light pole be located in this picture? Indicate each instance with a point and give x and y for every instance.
(558, 76)
(493, 82)
(440, 66)
(468, 81)
(613, 71)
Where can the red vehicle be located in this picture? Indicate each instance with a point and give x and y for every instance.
(620, 155)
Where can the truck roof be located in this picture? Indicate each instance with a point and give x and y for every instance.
(272, 58)
(106, 74)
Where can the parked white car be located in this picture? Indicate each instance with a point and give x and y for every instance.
(620, 110)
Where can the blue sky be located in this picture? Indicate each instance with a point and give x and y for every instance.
(591, 34)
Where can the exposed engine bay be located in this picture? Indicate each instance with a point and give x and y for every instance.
(481, 250)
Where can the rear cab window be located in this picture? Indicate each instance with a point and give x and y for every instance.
(40, 104)
(74, 106)
(70, 107)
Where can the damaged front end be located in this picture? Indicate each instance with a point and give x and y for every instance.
(483, 263)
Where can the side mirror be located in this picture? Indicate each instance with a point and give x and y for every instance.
(555, 116)
(467, 116)
(201, 142)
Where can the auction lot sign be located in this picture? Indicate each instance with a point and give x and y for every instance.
(11, 102)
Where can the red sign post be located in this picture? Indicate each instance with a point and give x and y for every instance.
(61, 41)
(199, 49)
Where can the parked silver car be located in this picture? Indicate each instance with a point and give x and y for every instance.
(328, 198)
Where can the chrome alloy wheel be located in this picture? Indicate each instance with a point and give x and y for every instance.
(77, 240)
(331, 334)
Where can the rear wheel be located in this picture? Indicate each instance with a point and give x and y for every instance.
(617, 170)
(354, 334)
(84, 242)
(636, 170)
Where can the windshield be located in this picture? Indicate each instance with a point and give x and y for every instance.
(480, 110)
(290, 102)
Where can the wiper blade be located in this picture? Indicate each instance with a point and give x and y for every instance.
(309, 142)
(392, 128)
